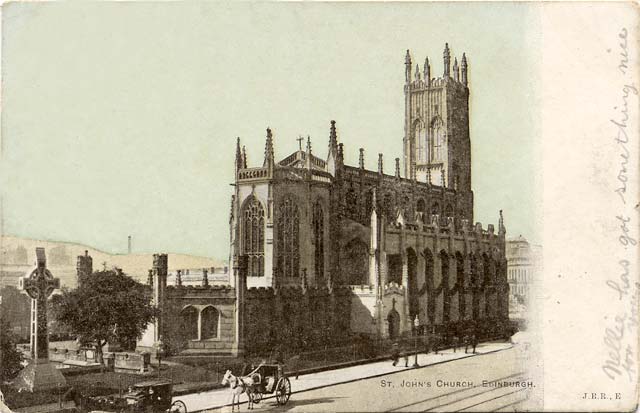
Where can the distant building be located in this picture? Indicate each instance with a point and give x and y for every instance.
(523, 263)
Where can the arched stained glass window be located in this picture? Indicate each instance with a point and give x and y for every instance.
(318, 236)
(253, 236)
(287, 239)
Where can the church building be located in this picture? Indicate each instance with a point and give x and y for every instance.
(324, 249)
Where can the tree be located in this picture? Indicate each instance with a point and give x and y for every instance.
(108, 306)
(10, 357)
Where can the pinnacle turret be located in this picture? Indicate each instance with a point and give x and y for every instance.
(268, 150)
(407, 67)
(238, 155)
(427, 71)
(446, 55)
(463, 65)
(456, 71)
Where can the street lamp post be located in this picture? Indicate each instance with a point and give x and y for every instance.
(416, 324)
(159, 353)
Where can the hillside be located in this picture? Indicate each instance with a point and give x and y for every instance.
(17, 255)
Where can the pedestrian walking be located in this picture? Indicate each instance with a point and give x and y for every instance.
(474, 339)
(395, 353)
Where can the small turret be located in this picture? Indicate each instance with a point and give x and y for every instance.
(380, 170)
(456, 71)
(407, 67)
(340, 153)
(501, 229)
(268, 151)
(361, 159)
(205, 277)
(463, 65)
(179, 278)
(447, 60)
(308, 163)
(427, 71)
(397, 167)
(238, 155)
(244, 157)
(417, 73)
(332, 156)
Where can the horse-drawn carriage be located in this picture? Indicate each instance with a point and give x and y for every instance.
(148, 396)
(265, 379)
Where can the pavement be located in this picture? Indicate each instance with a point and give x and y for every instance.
(215, 399)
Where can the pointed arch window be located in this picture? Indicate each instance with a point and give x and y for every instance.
(253, 236)
(437, 140)
(318, 236)
(356, 265)
(287, 238)
(420, 135)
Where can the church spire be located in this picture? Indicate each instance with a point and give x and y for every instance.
(427, 71)
(447, 60)
(464, 69)
(268, 150)
(407, 67)
(244, 157)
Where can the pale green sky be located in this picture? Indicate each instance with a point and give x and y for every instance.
(121, 118)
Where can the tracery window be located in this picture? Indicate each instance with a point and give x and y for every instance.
(287, 237)
(253, 236)
(351, 200)
(318, 235)
(389, 207)
(356, 263)
(437, 141)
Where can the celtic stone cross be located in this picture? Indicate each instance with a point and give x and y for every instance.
(39, 285)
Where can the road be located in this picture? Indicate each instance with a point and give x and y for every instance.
(448, 382)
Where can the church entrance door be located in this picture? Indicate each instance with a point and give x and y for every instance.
(394, 324)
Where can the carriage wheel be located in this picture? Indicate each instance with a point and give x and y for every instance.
(283, 391)
(178, 407)
(256, 397)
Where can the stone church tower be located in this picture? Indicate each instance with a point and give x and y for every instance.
(437, 147)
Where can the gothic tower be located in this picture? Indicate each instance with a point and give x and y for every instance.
(437, 147)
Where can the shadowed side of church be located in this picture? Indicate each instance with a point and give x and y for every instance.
(324, 250)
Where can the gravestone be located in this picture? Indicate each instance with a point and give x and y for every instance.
(40, 373)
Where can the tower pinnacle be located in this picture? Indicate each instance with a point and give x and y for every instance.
(268, 150)
(447, 60)
(463, 65)
(427, 71)
(407, 67)
(456, 71)
(238, 155)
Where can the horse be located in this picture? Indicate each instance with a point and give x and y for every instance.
(238, 385)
